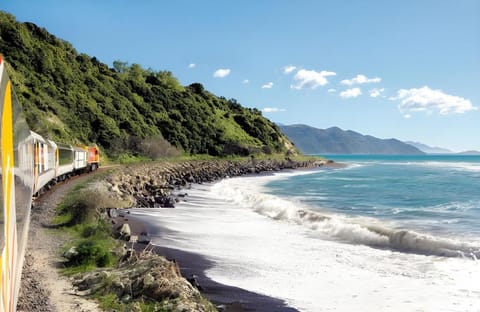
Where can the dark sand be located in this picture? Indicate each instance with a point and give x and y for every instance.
(227, 298)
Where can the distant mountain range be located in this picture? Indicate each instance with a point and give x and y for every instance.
(469, 153)
(439, 150)
(310, 140)
(429, 149)
(334, 140)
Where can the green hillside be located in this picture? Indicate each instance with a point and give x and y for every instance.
(74, 98)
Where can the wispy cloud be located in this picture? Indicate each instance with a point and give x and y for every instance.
(351, 93)
(272, 110)
(288, 69)
(221, 73)
(360, 79)
(310, 79)
(375, 92)
(268, 85)
(332, 90)
(245, 81)
(192, 65)
(428, 100)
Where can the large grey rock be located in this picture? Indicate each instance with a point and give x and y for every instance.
(125, 232)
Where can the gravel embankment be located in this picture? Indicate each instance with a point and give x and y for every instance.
(43, 288)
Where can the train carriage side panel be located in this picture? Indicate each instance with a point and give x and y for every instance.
(44, 158)
(16, 177)
(53, 161)
(65, 161)
(80, 159)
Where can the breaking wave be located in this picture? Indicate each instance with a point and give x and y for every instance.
(354, 230)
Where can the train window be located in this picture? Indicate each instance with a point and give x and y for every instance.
(65, 156)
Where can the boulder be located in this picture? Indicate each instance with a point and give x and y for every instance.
(143, 238)
(125, 232)
(70, 254)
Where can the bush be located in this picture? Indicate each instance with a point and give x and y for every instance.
(92, 252)
(84, 207)
(97, 230)
(157, 147)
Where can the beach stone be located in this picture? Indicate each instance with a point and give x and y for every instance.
(126, 298)
(118, 287)
(143, 238)
(169, 202)
(112, 212)
(70, 253)
(125, 232)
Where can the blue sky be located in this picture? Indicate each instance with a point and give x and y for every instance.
(404, 69)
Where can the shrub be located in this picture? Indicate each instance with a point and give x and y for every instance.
(92, 252)
(84, 206)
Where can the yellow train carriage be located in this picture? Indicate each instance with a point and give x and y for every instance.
(16, 175)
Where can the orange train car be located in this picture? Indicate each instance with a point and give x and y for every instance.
(93, 158)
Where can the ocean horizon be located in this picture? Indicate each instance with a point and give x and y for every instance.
(385, 233)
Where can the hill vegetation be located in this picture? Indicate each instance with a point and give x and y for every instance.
(74, 98)
(334, 140)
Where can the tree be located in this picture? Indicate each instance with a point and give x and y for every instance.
(120, 66)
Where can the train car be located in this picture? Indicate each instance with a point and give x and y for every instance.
(93, 158)
(79, 159)
(44, 162)
(16, 176)
(64, 161)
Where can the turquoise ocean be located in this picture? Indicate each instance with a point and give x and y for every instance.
(383, 233)
(435, 194)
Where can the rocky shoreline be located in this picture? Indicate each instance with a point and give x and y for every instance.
(152, 184)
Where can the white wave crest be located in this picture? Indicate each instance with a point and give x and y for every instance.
(459, 166)
(419, 243)
(365, 231)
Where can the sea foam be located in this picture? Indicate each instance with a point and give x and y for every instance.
(355, 230)
(314, 261)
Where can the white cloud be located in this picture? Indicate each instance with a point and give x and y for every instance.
(360, 79)
(310, 79)
(268, 85)
(428, 100)
(376, 92)
(245, 81)
(192, 65)
(351, 93)
(288, 69)
(221, 73)
(332, 90)
(272, 110)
